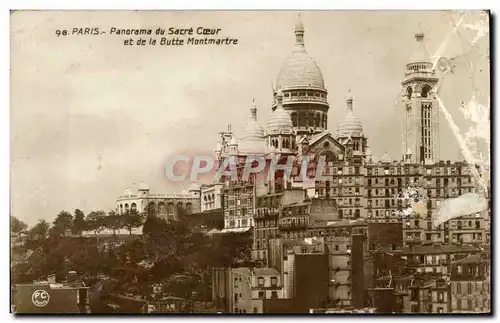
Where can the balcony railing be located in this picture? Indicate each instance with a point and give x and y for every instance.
(292, 226)
(294, 99)
(271, 214)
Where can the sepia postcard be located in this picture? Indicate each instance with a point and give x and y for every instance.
(250, 162)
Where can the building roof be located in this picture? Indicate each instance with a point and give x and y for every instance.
(472, 259)
(437, 249)
(294, 242)
(235, 230)
(304, 203)
(340, 223)
(241, 270)
(265, 272)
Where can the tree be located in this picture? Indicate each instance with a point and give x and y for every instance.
(96, 221)
(62, 223)
(40, 230)
(114, 221)
(17, 225)
(131, 220)
(79, 224)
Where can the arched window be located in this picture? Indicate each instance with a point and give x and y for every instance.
(189, 208)
(170, 208)
(302, 119)
(126, 207)
(425, 91)
(318, 119)
(161, 208)
(134, 207)
(178, 207)
(294, 119)
(409, 92)
(323, 121)
(151, 208)
(310, 120)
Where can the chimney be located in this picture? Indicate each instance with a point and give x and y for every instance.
(357, 277)
(71, 277)
(51, 279)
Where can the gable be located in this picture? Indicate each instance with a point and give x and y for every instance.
(326, 142)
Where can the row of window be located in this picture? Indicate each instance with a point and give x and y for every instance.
(239, 223)
(408, 170)
(309, 120)
(304, 93)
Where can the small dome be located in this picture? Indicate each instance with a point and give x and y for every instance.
(143, 187)
(300, 70)
(253, 129)
(350, 125)
(128, 191)
(385, 158)
(279, 119)
(194, 187)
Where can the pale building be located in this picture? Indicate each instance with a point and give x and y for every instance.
(421, 125)
(211, 197)
(166, 206)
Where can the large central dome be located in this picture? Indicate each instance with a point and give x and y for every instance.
(300, 70)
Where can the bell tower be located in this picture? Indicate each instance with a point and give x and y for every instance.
(421, 124)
